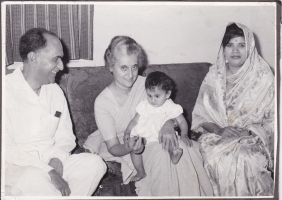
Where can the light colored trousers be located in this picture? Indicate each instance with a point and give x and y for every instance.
(82, 172)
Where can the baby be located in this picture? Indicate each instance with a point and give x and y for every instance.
(151, 116)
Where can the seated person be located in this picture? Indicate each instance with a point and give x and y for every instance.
(115, 107)
(235, 111)
(38, 128)
(150, 117)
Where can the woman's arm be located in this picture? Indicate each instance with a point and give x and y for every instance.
(211, 128)
(130, 126)
(228, 131)
(116, 149)
(106, 125)
(183, 126)
(167, 134)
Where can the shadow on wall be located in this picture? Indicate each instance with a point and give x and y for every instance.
(257, 44)
(144, 62)
(259, 52)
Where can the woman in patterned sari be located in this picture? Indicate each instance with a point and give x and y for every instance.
(235, 113)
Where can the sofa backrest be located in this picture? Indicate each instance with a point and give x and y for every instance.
(82, 86)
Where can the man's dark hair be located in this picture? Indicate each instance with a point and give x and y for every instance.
(231, 32)
(33, 40)
(159, 79)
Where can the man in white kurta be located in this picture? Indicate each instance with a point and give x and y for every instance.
(38, 132)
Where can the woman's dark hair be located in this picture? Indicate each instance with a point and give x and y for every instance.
(33, 40)
(231, 32)
(131, 46)
(159, 79)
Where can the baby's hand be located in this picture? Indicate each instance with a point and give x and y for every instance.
(186, 140)
(126, 138)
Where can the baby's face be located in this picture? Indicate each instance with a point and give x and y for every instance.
(157, 96)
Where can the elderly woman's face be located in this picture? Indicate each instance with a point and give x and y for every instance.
(236, 52)
(125, 70)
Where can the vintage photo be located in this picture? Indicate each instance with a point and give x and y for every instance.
(139, 99)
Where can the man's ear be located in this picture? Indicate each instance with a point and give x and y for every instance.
(168, 93)
(31, 56)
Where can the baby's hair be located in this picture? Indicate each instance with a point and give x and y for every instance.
(160, 80)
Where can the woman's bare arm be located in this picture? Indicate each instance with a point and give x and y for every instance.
(130, 126)
(211, 127)
(116, 149)
(183, 126)
(167, 134)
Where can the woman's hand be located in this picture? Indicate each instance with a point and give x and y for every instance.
(167, 135)
(136, 144)
(126, 137)
(230, 131)
(243, 132)
(186, 140)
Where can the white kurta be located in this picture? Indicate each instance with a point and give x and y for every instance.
(153, 118)
(34, 135)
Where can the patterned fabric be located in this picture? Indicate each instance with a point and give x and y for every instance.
(238, 166)
(72, 23)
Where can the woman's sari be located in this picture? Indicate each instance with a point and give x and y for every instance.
(237, 166)
(95, 142)
(187, 178)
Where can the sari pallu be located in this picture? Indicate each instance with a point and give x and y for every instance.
(95, 142)
(238, 166)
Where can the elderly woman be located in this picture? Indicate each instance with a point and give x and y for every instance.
(235, 113)
(115, 107)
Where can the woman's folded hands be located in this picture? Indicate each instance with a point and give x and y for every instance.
(230, 131)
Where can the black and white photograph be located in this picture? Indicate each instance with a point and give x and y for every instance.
(198, 80)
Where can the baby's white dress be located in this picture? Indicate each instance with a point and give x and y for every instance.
(152, 119)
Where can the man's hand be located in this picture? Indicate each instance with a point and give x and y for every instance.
(59, 183)
(167, 135)
(57, 165)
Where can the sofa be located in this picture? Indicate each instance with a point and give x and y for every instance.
(81, 86)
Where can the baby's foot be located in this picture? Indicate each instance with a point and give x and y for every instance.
(176, 155)
(139, 176)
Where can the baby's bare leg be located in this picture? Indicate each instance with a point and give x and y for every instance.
(137, 161)
(175, 154)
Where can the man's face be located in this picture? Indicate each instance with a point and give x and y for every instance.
(49, 60)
